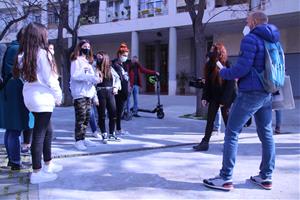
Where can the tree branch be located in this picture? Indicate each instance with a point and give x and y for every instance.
(7, 27)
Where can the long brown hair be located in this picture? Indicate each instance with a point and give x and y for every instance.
(35, 38)
(77, 49)
(105, 68)
(218, 52)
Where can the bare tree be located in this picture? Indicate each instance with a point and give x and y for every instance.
(61, 9)
(196, 9)
(12, 13)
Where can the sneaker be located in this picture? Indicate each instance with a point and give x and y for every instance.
(264, 183)
(113, 137)
(277, 130)
(96, 134)
(202, 146)
(80, 145)
(52, 168)
(104, 138)
(25, 149)
(121, 132)
(17, 167)
(218, 183)
(41, 177)
(89, 143)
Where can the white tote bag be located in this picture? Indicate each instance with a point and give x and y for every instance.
(285, 99)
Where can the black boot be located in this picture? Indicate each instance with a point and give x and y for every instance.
(202, 146)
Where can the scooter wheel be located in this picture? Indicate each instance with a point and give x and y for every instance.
(160, 114)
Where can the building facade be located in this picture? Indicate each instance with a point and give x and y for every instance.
(160, 32)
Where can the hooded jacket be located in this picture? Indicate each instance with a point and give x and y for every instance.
(251, 58)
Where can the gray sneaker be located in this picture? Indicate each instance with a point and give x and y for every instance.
(218, 183)
(264, 183)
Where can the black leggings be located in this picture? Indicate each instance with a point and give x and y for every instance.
(106, 101)
(120, 106)
(41, 139)
(27, 135)
(213, 108)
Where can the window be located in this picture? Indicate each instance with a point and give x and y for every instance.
(53, 19)
(117, 10)
(89, 11)
(34, 16)
(150, 8)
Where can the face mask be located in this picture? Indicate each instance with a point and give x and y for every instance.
(85, 51)
(51, 51)
(99, 61)
(246, 30)
(123, 58)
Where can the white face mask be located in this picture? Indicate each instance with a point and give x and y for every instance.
(51, 51)
(123, 58)
(246, 30)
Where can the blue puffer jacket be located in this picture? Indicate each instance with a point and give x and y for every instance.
(252, 55)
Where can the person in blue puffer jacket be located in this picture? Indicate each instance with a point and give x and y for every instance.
(252, 100)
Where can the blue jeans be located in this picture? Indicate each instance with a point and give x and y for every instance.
(12, 145)
(135, 93)
(217, 122)
(93, 122)
(278, 118)
(246, 105)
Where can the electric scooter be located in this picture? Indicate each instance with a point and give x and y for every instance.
(159, 107)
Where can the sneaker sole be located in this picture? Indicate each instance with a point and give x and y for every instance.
(114, 140)
(218, 188)
(259, 184)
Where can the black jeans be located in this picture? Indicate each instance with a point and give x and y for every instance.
(120, 101)
(41, 139)
(211, 115)
(106, 101)
(27, 135)
(82, 116)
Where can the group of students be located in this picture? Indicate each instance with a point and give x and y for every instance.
(29, 91)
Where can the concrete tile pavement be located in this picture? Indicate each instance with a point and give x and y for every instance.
(105, 162)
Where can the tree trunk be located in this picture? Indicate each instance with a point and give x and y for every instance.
(64, 63)
(200, 50)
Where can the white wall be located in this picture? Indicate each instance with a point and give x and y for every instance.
(290, 38)
(231, 42)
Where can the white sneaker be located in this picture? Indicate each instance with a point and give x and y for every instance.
(41, 177)
(96, 134)
(122, 132)
(89, 143)
(80, 145)
(52, 168)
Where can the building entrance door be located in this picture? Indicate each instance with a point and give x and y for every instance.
(157, 54)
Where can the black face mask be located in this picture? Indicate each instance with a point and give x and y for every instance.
(85, 51)
(99, 61)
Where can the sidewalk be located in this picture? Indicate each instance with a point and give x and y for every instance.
(157, 158)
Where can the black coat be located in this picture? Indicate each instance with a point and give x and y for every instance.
(223, 94)
(123, 93)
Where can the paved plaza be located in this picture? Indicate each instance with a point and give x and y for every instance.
(156, 161)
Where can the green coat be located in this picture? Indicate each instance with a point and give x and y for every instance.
(13, 113)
